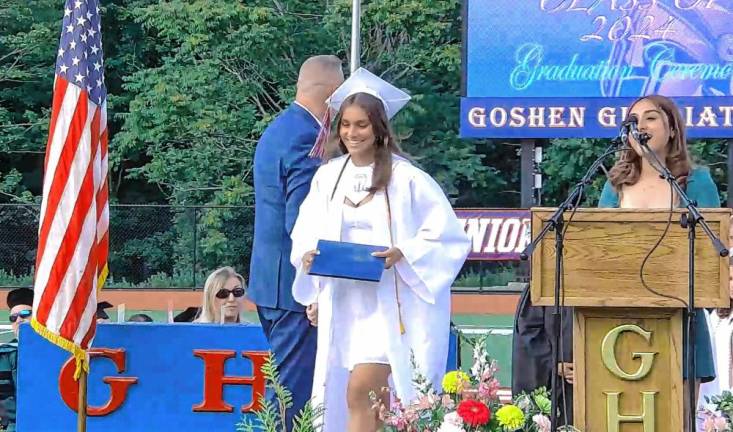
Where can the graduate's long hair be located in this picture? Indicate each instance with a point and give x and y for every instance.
(627, 169)
(384, 140)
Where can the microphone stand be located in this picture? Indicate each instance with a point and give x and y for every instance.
(557, 223)
(689, 221)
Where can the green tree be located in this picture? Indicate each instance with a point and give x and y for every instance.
(193, 83)
(27, 53)
(417, 45)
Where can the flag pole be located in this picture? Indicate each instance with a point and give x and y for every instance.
(81, 417)
(355, 35)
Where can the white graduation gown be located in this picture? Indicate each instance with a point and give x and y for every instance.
(434, 246)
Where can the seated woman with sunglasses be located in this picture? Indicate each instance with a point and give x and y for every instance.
(223, 297)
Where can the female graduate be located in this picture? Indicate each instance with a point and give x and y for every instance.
(370, 334)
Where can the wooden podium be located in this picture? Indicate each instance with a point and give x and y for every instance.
(627, 341)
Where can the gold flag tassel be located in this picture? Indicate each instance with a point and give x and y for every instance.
(80, 354)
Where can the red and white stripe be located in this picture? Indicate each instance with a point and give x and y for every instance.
(103, 199)
(74, 220)
(505, 395)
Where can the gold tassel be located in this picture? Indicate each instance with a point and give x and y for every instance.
(399, 304)
(80, 355)
(394, 270)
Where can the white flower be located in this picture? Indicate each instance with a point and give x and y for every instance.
(480, 360)
(542, 422)
(452, 422)
(453, 419)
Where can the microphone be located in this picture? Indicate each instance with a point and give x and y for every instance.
(622, 139)
(632, 126)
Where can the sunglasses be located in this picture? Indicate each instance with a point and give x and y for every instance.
(24, 314)
(224, 293)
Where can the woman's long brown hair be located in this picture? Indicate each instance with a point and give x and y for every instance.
(627, 169)
(384, 142)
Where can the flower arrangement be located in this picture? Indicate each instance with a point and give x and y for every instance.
(717, 413)
(269, 417)
(469, 403)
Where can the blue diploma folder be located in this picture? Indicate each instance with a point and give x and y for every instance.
(348, 261)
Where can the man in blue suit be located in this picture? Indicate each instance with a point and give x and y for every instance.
(282, 177)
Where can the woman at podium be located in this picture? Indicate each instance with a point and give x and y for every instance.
(633, 182)
(372, 334)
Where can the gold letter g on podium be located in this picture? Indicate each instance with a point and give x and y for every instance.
(608, 354)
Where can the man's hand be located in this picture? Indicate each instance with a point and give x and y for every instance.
(312, 313)
(567, 371)
(392, 255)
(308, 259)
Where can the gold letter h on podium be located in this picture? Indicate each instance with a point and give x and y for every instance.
(615, 419)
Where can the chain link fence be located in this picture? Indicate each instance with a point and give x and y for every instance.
(163, 246)
(151, 246)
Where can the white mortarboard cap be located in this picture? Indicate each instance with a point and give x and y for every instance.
(363, 81)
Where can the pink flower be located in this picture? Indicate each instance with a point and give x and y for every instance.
(412, 413)
(490, 372)
(448, 402)
(721, 423)
(469, 394)
(488, 389)
(715, 423)
(398, 417)
(397, 422)
(396, 405)
(426, 401)
(542, 422)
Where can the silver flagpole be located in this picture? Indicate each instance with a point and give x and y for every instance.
(355, 35)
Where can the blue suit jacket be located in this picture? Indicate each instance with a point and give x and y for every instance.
(282, 178)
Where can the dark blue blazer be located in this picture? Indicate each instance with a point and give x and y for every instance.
(282, 178)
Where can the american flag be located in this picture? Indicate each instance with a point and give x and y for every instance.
(71, 264)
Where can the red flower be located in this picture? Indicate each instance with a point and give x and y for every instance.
(473, 412)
